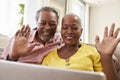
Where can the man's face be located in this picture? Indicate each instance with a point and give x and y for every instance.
(47, 25)
(71, 30)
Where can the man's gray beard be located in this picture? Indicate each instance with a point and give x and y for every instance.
(42, 39)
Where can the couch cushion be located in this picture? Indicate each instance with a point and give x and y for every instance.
(117, 52)
(116, 60)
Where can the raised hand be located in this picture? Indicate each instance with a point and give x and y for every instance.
(39, 53)
(106, 49)
(110, 41)
(21, 47)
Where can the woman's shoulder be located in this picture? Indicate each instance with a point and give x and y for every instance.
(89, 48)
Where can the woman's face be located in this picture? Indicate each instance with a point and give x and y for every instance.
(47, 25)
(71, 29)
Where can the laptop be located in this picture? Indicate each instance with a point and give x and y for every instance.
(10, 70)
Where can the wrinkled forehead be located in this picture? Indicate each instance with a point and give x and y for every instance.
(47, 15)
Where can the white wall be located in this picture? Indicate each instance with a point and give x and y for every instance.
(30, 13)
(103, 15)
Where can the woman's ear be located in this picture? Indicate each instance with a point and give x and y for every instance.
(81, 30)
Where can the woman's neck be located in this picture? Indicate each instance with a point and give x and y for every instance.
(67, 51)
(71, 47)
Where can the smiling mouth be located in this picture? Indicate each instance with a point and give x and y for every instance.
(69, 37)
(46, 33)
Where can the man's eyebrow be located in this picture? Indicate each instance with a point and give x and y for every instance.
(53, 21)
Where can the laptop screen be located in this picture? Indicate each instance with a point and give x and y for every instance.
(10, 70)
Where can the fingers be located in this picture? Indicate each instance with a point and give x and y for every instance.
(32, 45)
(20, 32)
(97, 40)
(53, 44)
(24, 31)
(116, 33)
(118, 40)
(17, 33)
(106, 32)
(112, 30)
(27, 31)
(111, 33)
